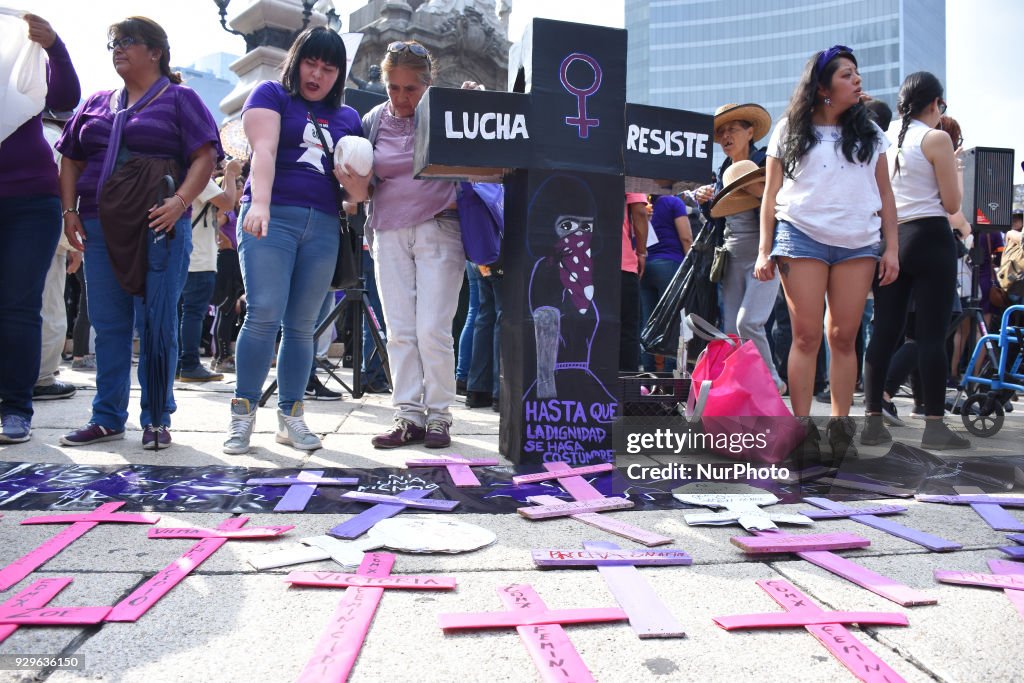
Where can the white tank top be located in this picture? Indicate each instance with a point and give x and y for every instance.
(915, 186)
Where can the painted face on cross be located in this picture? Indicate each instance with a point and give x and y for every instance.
(576, 264)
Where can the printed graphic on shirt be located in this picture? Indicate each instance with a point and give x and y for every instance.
(314, 153)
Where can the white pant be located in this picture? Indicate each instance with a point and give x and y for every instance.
(55, 319)
(419, 274)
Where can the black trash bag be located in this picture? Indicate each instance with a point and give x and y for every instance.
(690, 290)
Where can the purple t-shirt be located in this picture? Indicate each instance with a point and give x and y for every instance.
(663, 219)
(26, 162)
(302, 172)
(172, 126)
(229, 227)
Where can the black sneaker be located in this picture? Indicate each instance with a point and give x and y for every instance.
(479, 399)
(890, 415)
(824, 396)
(841, 431)
(50, 392)
(939, 437)
(318, 392)
(874, 431)
(198, 374)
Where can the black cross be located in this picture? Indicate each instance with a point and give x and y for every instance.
(568, 146)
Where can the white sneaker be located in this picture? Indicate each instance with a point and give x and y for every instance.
(292, 430)
(243, 419)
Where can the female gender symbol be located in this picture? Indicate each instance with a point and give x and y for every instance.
(580, 120)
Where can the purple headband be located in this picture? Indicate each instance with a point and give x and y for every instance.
(828, 55)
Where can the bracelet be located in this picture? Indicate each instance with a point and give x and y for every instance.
(184, 206)
(65, 212)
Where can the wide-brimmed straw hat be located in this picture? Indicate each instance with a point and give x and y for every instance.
(754, 114)
(733, 197)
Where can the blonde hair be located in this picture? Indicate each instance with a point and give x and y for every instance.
(406, 59)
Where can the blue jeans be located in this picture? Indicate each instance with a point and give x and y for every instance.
(466, 338)
(195, 302)
(483, 371)
(112, 314)
(29, 230)
(286, 275)
(373, 366)
(658, 273)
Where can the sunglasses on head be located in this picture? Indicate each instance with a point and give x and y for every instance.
(415, 48)
(123, 43)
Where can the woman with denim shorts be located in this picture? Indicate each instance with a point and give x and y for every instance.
(289, 227)
(826, 207)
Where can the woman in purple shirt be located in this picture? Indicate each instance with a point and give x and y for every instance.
(416, 244)
(152, 117)
(289, 228)
(29, 230)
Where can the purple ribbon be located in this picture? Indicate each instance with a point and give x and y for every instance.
(827, 56)
(121, 117)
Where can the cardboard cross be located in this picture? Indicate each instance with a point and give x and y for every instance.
(387, 506)
(539, 628)
(80, 524)
(300, 488)
(827, 627)
(145, 596)
(815, 549)
(569, 139)
(1015, 551)
(459, 469)
(588, 500)
(869, 516)
(648, 615)
(989, 507)
(742, 509)
(336, 652)
(1006, 575)
(29, 608)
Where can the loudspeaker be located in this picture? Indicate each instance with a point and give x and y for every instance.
(988, 187)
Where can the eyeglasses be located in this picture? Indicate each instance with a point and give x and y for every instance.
(123, 43)
(415, 48)
(942, 106)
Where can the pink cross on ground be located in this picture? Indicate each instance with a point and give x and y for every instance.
(1006, 575)
(827, 627)
(80, 524)
(145, 596)
(301, 488)
(459, 469)
(813, 549)
(29, 608)
(583, 492)
(336, 651)
(540, 629)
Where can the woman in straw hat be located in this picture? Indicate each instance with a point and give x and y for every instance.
(747, 302)
(827, 198)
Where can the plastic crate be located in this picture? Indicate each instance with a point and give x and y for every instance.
(653, 394)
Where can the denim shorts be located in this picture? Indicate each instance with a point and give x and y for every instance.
(792, 243)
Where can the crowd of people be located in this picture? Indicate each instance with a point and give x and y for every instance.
(840, 210)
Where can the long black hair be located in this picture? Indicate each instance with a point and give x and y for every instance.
(859, 134)
(320, 43)
(919, 90)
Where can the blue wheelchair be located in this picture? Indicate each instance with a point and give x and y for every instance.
(999, 377)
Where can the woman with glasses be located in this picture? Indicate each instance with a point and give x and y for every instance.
(150, 121)
(924, 181)
(289, 228)
(416, 245)
(826, 205)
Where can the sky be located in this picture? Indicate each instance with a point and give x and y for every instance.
(982, 55)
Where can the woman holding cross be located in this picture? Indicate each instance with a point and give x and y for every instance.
(826, 204)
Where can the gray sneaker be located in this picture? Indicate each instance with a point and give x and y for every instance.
(243, 419)
(292, 430)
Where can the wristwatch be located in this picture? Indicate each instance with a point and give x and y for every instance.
(64, 214)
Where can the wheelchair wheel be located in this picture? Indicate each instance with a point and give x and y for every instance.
(982, 415)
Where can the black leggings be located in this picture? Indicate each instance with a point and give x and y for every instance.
(227, 289)
(928, 277)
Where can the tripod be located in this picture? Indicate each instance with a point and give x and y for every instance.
(356, 298)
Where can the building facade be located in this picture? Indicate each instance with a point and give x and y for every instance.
(701, 54)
